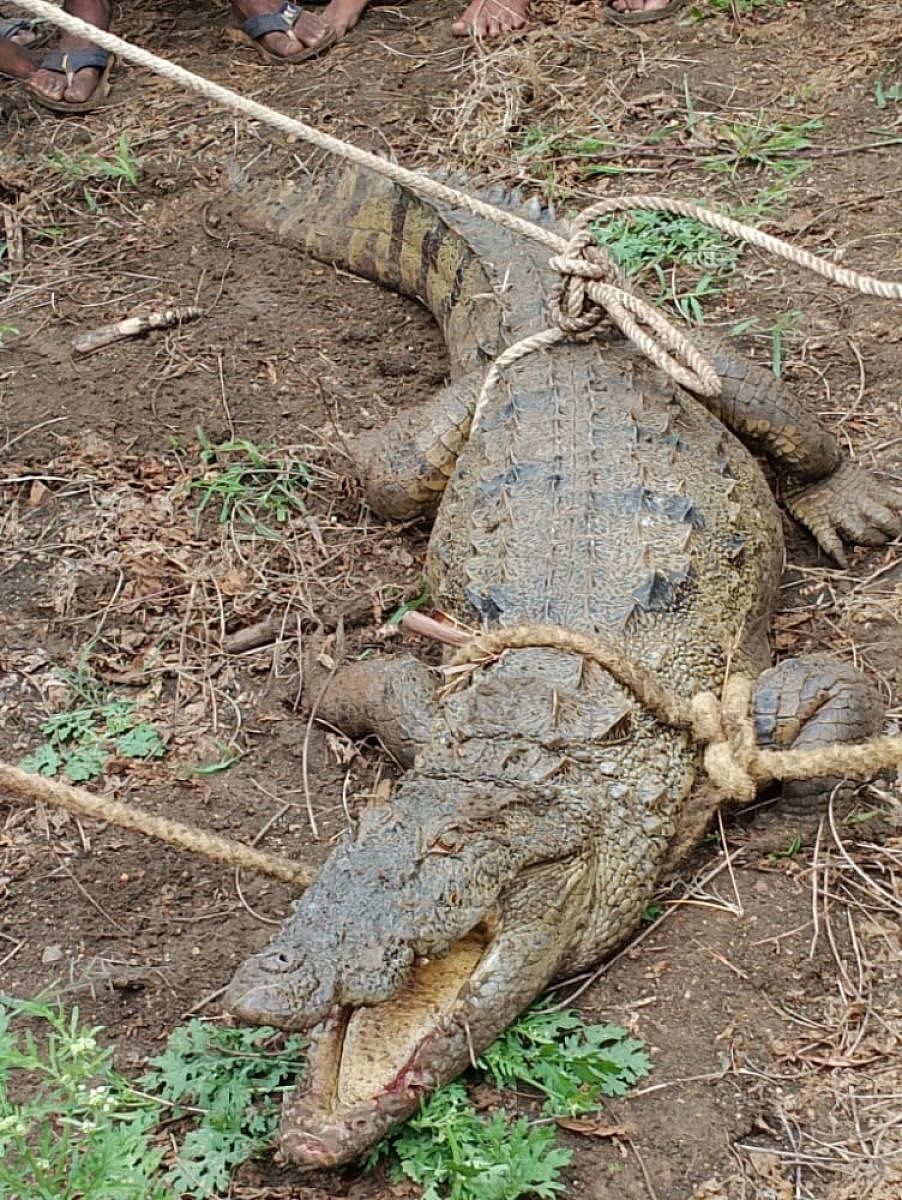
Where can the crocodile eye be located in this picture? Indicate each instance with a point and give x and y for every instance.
(446, 842)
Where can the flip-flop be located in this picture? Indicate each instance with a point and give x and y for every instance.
(282, 21)
(40, 31)
(642, 16)
(69, 63)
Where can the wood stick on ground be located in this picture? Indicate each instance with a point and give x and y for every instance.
(37, 788)
(96, 339)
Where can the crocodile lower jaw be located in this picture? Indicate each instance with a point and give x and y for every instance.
(371, 1067)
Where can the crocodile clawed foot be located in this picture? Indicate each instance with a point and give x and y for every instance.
(849, 505)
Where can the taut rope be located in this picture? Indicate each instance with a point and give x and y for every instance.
(592, 284)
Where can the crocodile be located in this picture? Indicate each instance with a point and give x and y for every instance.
(540, 800)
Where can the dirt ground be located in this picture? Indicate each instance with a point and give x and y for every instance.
(770, 995)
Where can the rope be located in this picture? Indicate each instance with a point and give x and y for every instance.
(733, 761)
(856, 281)
(185, 837)
(593, 285)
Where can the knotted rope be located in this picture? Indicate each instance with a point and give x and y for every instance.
(593, 286)
(732, 760)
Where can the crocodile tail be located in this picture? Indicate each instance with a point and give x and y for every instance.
(357, 220)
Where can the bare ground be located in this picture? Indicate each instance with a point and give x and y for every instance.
(770, 997)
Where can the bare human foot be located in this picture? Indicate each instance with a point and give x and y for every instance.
(296, 31)
(14, 62)
(490, 18)
(23, 31)
(59, 86)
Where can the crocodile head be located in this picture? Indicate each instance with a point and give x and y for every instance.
(422, 938)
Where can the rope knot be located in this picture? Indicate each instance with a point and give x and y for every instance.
(576, 306)
(725, 729)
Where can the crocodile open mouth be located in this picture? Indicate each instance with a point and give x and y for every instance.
(381, 1041)
(372, 1066)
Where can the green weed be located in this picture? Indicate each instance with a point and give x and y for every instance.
(777, 331)
(663, 246)
(248, 484)
(83, 1133)
(761, 144)
(738, 8)
(229, 756)
(80, 740)
(572, 1064)
(791, 850)
(233, 1084)
(422, 600)
(86, 1133)
(453, 1152)
(122, 165)
(546, 150)
(888, 88)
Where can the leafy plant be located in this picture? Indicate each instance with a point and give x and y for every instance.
(791, 850)
(660, 245)
(227, 1075)
(80, 740)
(453, 1152)
(86, 1133)
(247, 482)
(888, 88)
(419, 601)
(762, 144)
(78, 167)
(572, 1064)
(739, 8)
(83, 1133)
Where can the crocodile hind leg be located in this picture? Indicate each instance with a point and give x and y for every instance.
(812, 701)
(406, 466)
(391, 698)
(831, 496)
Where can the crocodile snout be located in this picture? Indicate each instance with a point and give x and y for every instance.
(273, 988)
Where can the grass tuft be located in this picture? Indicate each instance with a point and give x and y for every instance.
(251, 486)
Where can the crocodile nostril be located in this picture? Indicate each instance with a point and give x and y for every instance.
(277, 960)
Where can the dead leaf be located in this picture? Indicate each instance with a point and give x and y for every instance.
(592, 1127)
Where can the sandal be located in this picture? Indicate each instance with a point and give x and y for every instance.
(642, 16)
(69, 63)
(39, 30)
(282, 21)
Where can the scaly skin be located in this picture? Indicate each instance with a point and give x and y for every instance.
(542, 800)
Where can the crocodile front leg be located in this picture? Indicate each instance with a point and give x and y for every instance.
(831, 496)
(391, 698)
(406, 466)
(812, 701)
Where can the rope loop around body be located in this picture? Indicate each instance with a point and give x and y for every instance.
(721, 725)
